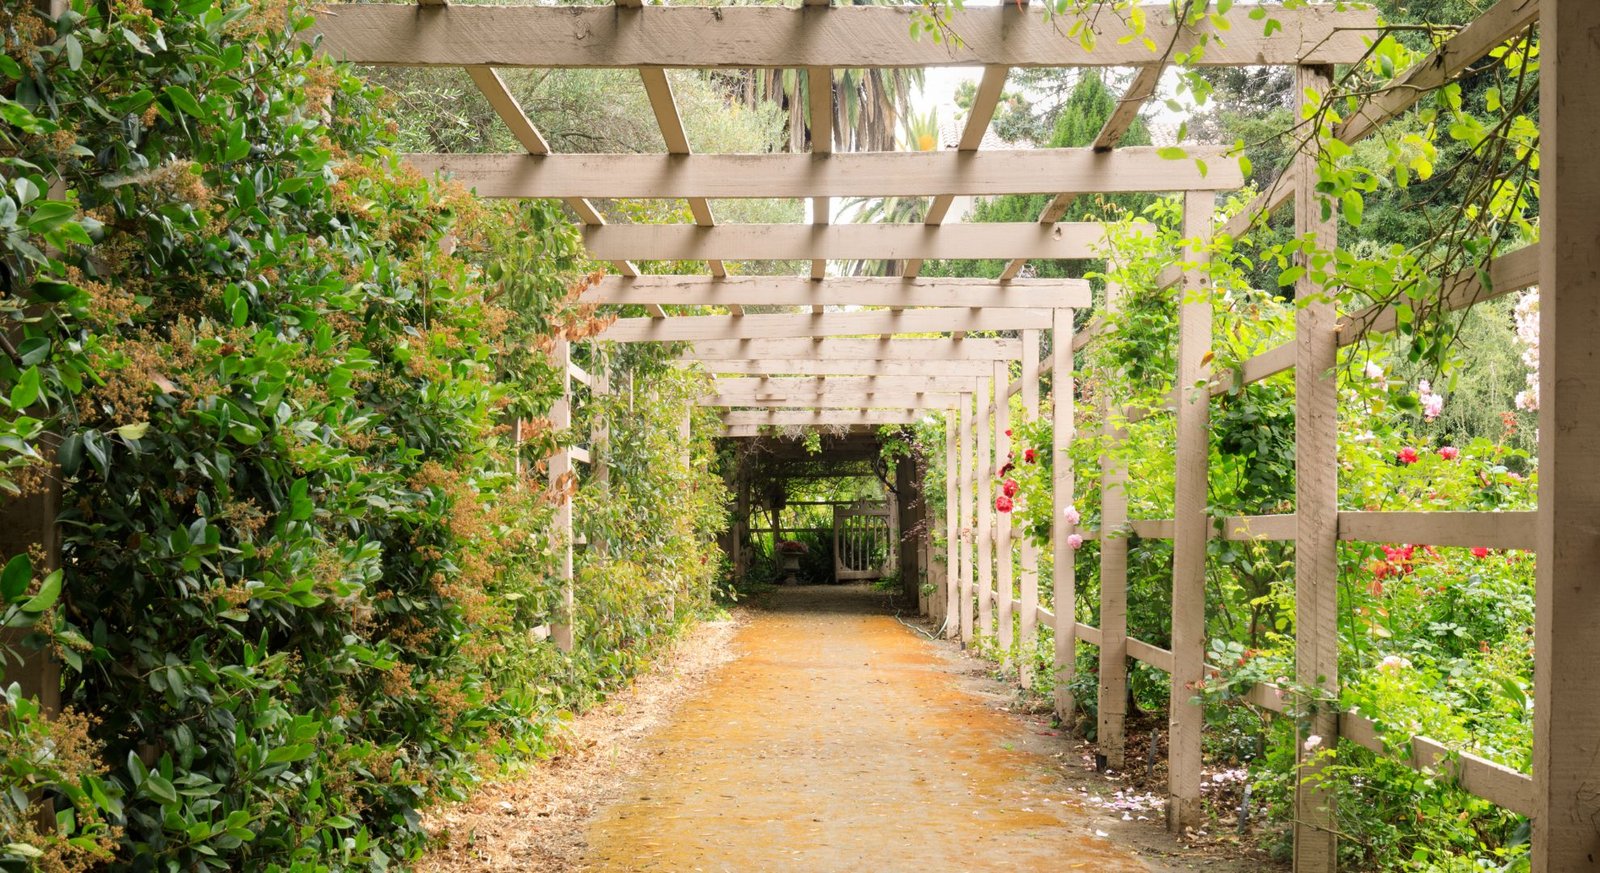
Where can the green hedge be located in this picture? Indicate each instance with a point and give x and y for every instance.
(277, 369)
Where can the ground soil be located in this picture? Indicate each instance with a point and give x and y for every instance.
(823, 733)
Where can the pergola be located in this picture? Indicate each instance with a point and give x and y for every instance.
(838, 369)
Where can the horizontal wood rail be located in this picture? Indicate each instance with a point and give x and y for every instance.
(834, 348)
(826, 324)
(853, 174)
(847, 242)
(844, 36)
(836, 291)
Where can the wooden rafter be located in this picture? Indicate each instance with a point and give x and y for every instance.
(984, 104)
(1140, 90)
(665, 107)
(846, 367)
(799, 386)
(819, 87)
(854, 174)
(925, 400)
(821, 418)
(516, 119)
(742, 37)
(822, 324)
(834, 348)
(837, 291)
(789, 242)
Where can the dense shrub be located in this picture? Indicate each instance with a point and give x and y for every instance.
(300, 559)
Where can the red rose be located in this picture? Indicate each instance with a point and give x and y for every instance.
(1407, 455)
(1009, 488)
(1480, 552)
(1029, 455)
(1008, 431)
(1002, 503)
(1006, 469)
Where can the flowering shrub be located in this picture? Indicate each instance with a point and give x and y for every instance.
(278, 371)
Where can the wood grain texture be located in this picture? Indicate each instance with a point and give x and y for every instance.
(1064, 590)
(1004, 576)
(855, 174)
(1028, 553)
(1192, 526)
(829, 418)
(838, 291)
(983, 471)
(827, 324)
(952, 521)
(847, 36)
(1566, 729)
(898, 349)
(968, 525)
(1112, 693)
(1492, 530)
(832, 400)
(823, 385)
(847, 242)
(846, 367)
(1316, 553)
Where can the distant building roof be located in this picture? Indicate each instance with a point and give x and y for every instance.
(950, 137)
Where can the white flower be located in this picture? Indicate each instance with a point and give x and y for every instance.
(1527, 321)
(1374, 372)
(1393, 663)
(1071, 515)
(1432, 404)
(1312, 742)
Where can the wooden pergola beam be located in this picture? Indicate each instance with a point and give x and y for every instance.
(665, 107)
(848, 36)
(846, 367)
(854, 174)
(1139, 90)
(821, 324)
(798, 386)
(838, 291)
(842, 242)
(926, 400)
(821, 417)
(984, 103)
(898, 349)
(511, 113)
(819, 89)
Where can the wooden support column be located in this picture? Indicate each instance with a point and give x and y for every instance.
(1316, 554)
(952, 521)
(1566, 729)
(983, 469)
(560, 476)
(1192, 525)
(1113, 691)
(906, 543)
(1004, 579)
(1064, 594)
(1029, 557)
(964, 586)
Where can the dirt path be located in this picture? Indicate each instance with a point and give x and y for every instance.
(839, 739)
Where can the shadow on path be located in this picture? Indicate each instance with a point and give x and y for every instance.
(840, 739)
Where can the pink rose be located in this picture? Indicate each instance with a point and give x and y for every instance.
(1407, 455)
(1075, 541)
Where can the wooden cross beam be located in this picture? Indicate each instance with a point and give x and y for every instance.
(929, 350)
(847, 367)
(799, 386)
(854, 174)
(821, 417)
(838, 291)
(832, 401)
(845, 242)
(740, 37)
(665, 107)
(812, 324)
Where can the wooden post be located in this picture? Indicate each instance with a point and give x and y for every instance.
(1192, 525)
(1064, 593)
(741, 513)
(983, 469)
(968, 525)
(1316, 554)
(952, 521)
(560, 470)
(1113, 691)
(1002, 539)
(1566, 731)
(1029, 558)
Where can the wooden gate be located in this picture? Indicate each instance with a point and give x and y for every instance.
(863, 542)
